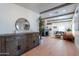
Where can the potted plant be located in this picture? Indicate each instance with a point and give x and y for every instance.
(41, 26)
(68, 30)
(68, 35)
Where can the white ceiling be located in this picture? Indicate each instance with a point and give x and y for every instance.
(39, 7)
(60, 11)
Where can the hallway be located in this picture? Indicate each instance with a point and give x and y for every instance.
(51, 46)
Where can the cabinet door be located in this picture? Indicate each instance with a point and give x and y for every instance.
(22, 43)
(0, 45)
(12, 46)
(37, 41)
(3, 44)
(30, 41)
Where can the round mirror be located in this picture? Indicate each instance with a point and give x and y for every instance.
(22, 24)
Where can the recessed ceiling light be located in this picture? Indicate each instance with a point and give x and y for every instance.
(64, 10)
(56, 12)
(50, 14)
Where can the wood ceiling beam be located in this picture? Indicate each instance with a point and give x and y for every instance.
(57, 7)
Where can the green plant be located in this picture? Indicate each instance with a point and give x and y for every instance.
(41, 25)
(69, 29)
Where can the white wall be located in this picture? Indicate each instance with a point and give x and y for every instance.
(9, 13)
(76, 26)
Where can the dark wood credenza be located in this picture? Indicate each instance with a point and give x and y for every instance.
(17, 44)
(68, 36)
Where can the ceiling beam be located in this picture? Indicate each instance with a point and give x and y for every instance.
(60, 20)
(59, 15)
(60, 6)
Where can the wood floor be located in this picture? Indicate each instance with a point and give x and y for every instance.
(53, 47)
